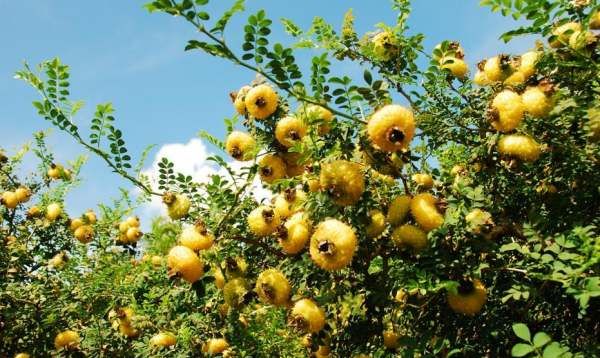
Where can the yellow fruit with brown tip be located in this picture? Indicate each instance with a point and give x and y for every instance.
(515, 79)
(273, 287)
(391, 128)
(289, 202)
(23, 194)
(90, 216)
(343, 181)
(84, 234)
(133, 221)
(235, 292)
(519, 146)
(295, 234)
(66, 340)
(53, 211)
(579, 40)
(398, 209)
(480, 79)
(271, 167)
(196, 239)
(376, 223)
(478, 220)
(290, 130)
(562, 34)
(133, 234)
(263, 221)
(457, 67)
(391, 339)
(410, 236)
(317, 114)
(332, 245)
(528, 62)
(240, 145)
(307, 316)
(163, 339)
(178, 205)
(536, 102)
(261, 101)
(183, 262)
(239, 100)
(215, 346)
(470, 298)
(423, 180)
(33, 212)
(507, 111)
(156, 260)
(595, 21)
(384, 45)
(424, 211)
(497, 68)
(457, 170)
(9, 199)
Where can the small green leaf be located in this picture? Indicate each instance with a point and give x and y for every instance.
(521, 350)
(541, 339)
(522, 331)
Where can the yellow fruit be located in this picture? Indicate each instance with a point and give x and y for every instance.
(295, 234)
(76, 223)
(273, 287)
(384, 45)
(456, 66)
(595, 21)
(66, 340)
(528, 62)
(390, 339)
(126, 329)
(507, 111)
(517, 78)
(178, 205)
(133, 221)
(133, 234)
(23, 194)
(123, 320)
(290, 130)
(289, 202)
(235, 292)
(307, 316)
(343, 181)
(57, 171)
(263, 221)
(563, 33)
(478, 220)
(398, 210)
(391, 128)
(9, 199)
(156, 260)
(195, 239)
(271, 167)
(424, 211)
(470, 298)
(33, 212)
(240, 145)
(293, 165)
(22, 355)
(84, 234)
(536, 102)
(215, 346)
(235, 267)
(90, 216)
(457, 170)
(519, 146)
(423, 180)
(184, 262)
(376, 223)
(261, 101)
(323, 352)
(57, 261)
(219, 278)
(480, 79)
(313, 113)
(497, 68)
(410, 236)
(163, 339)
(581, 39)
(53, 211)
(332, 245)
(238, 100)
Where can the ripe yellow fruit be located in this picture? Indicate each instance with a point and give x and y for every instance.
(517, 78)
(273, 287)
(332, 245)
(528, 62)
(290, 130)
(271, 167)
(184, 262)
(507, 111)
(313, 113)
(391, 339)
(122, 318)
(9, 199)
(293, 165)
(457, 170)
(132, 235)
(343, 181)
(478, 220)
(391, 128)
(261, 101)
(384, 45)
(90, 216)
(219, 278)
(235, 267)
(289, 202)
(163, 339)
(470, 298)
(296, 233)
(595, 21)
(307, 316)
(239, 100)
(579, 40)
(23, 194)
(57, 261)
(424, 211)
(132, 221)
(376, 223)
(215, 346)
(519, 146)
(33, 212)
(410, 236)
(536, 102)
(53, 211)
(178, 205)
(458, 67)
(66, 340)
(196, 239)
(263, 221)
(323, 352)
(497, 68)
(563, 33)
(84, 234)
(423, 180)
(57, 171)
(480, 79)
(398, 210)
(235, 292)
(240, 145)
(22, 355)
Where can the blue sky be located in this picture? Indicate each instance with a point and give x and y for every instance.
(119, 52)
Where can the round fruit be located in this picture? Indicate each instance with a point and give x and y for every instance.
(219, 278)
(332, 245)
(22, 355)
(519, 146)
(261, 101)
(57, 261)
(293, 165)
(84, 234)
(313, 113)
(133, 234)
(53, 211)
(391, 128)
(456, 66)
(90, 216)
(178, 205)
(391, 339)
(238, 100)
(196, 239)
(273, 287)
(133, 221)
(398, 210)
(384, 45)
(536, 102)
(235, 292)
(56, 171)
(163, 339)
(425, 181)
(307, 316)
(480, 79)
(271, 167)
(457, 170)
(289, 202)
(240, 145)
(410, 236)
(563, 33)
(343, 181)
(215, 346)
(184, 262)
(423, 209)
(9, 199)
(156, 260)
(295, 234)
(581, 39)
(528, 61)
(478, 220)
(469, 299)
(595, 21)
(76, 223)
(263, 221)
(23, 194)
(517, 78)
(66, 340)
(289, 131)
(376, 223)
(323, 352)
(497, 68)
(33, 212)
(507, 111)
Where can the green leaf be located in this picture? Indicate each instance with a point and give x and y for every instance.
(541, 339)
(521, 350)
(522, 331)
(553, 350)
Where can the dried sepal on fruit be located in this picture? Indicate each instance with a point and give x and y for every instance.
(470, 298)
(263, 221)
(332, 245)
(307, 316)
(240, 145)
(261, 101)
(391, 128)
(271, 167)
(343, 181)
(183, 262)
(273, 287)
